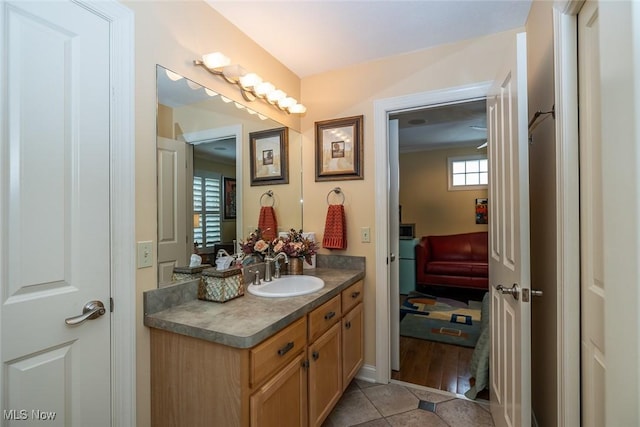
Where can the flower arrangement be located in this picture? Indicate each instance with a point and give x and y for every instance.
(255, 244)
(295, 245)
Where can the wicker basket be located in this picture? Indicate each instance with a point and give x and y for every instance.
(221, 286)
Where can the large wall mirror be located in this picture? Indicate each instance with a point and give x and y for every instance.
(205, 196)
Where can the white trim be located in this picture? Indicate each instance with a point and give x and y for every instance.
(567, 202)
(381, 110)
(123, 286)
(207, 135)
(367, 373)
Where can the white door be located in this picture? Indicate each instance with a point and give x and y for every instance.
(172, 207)
(591, 208)
(394, 243)
(54, 218)
(510, 366)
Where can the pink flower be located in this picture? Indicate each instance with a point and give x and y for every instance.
(278, 246)
(261, 246)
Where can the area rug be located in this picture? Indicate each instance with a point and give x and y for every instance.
(441, 319)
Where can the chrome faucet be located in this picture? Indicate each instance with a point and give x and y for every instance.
(267, 266)
(276, 273)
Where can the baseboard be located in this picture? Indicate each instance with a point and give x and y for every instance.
(367, 373)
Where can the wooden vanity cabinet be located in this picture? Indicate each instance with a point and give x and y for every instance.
(352, 344)
(293, 378)
(282, 401)
(352, 332)
(325, 372)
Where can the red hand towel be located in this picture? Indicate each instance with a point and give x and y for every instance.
(335, 228)
(267, 223)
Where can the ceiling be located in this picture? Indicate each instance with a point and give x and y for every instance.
(311, 37)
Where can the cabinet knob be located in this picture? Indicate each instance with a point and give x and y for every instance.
(315, 355)
(355, 295)
(348, 325)
(329, 315)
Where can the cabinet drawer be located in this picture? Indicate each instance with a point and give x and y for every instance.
(323, 317)
(352, 296)
(275, 352)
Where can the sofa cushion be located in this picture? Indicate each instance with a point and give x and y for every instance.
(454, 268)
(459, 260)
(455, 281)
(459, 247)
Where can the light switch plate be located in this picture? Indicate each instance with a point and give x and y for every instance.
(145, 254)
(365, 235)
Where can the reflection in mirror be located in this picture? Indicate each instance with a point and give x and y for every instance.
(205, 200)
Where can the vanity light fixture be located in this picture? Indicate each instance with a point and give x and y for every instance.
(251, 85)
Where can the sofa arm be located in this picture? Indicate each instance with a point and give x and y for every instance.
(423, 256)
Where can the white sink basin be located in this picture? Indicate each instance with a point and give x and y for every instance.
(287, 286)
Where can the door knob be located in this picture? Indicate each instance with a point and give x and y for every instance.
(91, 310)
(393, 257)
(514, 291)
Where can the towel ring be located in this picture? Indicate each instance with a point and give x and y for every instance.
(268, 194)
(336, 190)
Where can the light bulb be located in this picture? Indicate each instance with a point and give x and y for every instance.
(276, 95)
(173, 76)
(287, 102)
(250, 80)
(264, 88)
(215, 60)
(298, 109)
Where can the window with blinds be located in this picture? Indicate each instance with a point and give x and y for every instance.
(207, 207)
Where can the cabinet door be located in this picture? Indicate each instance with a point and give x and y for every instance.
(282, 401)
(352, 344)
(325, 375)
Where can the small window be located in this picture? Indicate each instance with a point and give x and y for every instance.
(206, 209)
(468, 173)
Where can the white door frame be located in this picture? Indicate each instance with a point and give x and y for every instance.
(381, 110)
(122, 171)
(565, 21)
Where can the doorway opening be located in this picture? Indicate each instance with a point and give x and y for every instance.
(442, 196)
(388, 220)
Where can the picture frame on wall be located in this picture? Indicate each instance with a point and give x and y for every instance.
(268, 157)
(339, 149)
(229, 198)
(482, 211)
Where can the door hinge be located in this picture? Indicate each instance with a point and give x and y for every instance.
(110, 304)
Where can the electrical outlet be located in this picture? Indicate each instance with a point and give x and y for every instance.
(365, 235)
(145, 254)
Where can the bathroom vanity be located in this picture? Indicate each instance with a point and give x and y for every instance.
(254, 361)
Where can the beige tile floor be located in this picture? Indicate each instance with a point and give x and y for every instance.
(374, 405)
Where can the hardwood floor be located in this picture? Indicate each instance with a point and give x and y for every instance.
(435, 365)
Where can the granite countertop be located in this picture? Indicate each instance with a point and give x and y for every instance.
(242, 322)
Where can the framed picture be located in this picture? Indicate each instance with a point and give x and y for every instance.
(268, 153)
(339, 149)
(229, 198)
(482, 211)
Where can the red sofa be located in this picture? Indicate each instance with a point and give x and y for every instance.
(457, 260)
